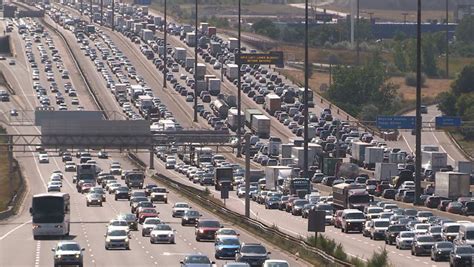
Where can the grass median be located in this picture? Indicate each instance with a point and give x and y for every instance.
(6, 194)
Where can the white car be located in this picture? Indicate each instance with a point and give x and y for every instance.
(179, 209)
(276, 263)
(43, 158)
(421, 228)
(117, 238)
(149, 224)
(68, 252)
(70, 167)
(162, 233)
(118, 224)
(57, 180)
(404, 239)
(54, 187)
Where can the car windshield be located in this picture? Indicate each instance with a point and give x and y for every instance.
(470, 235)
(411, 212)
(300, 203)
(98, 190)
(452, 229)
(69, 246)
(128, 216)
(119, 223)
(182, 205)
(324, 207)
(192, 213)
(426, 238)
(455, 204)
(374, 210)
(198, 259)
(355, 215)
(407, 234)
(230, 242)
(398, 228)
(212, 224)
(435, 229)
(253, 249)
(162, 227)
(227, 232)
(146, 204)
(117, 233)
(381, 223)
(424, 214)
(422, 226)
(464, 250)
(277, 264)
(153, 221)
(95, 195)
(139, 199)
(149, 211)
(445, 245)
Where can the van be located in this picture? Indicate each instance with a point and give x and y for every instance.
(466, 235)
(352, 220)
(450, 231)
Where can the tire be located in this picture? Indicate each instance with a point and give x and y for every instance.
(87, 204)
(342, 230)
(198, 239)
(216, 256)
(35, 237)
(371, 237)
(106, 248)
(143, 234)
(396, 246)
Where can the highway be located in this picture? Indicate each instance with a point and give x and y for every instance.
(88, 223)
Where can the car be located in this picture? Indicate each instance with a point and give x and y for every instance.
(148, 225)
(146, 213)
(116, 169)
(461, 256)
(142, 205)
(404, 240)
(13, 113)
(66, 157)
(159, 194)
(68, 253)
(421, 228)
(190, 217)
(352, 220)
(118, 224)
(236, 264)
(54, 186)
(422, 245)
(226, 246)
(441, 250)
(43, 158)
(179, 208)
(103, 154)
(276, 263)
(121, 192)
(379, 226)
(12, 62)
(450, 231)
(254, 254)
(196, 260)
(226, 232)
(117, 238)
(392, 232)
(436, 232)
(206, 229)
(162, 233)
(148, 188)
(135, 200)
(94, 199)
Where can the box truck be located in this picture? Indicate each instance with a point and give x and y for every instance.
(261, 126)
(385, 171)
(452, 185)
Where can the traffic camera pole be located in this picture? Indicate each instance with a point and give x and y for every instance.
(195, 60)
(165, 50)
(418, 108)
(101, 12)
(113, 15)
(239, 87)
(91, 10)
(306, 81)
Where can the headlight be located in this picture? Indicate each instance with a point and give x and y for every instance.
(58, 226)
(99, 200)
(170, 235)
(35, 226)
(126, 239)
(165, 196)
(201, 231)
(78, 255)
(58, 256)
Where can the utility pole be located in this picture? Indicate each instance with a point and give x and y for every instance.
(165, 50)
(81, 7)
(405, 14)
(418, 108)
(239, 86)
(113, 15)
(101, 12)
(91, 10)
(195, 61)
(306, 85)
(358, 33)
(447, 40)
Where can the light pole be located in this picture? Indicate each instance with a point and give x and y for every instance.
(165, 52)
(239, 105)
(306, 80)
(91, 10)
(101, 12)
(405, 14)
(447, 40)
(358, 33)
(81, 7)
(113, 15)
(418, 108)
(195, 61)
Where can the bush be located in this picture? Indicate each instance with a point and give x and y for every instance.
(410, 79)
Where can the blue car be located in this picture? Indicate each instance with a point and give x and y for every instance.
(226, 246)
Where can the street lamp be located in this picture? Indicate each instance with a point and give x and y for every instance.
(358, 33)
(165, 50)
(195, 61)
(306, 85)
(447, 40)
(239, 85)
(418, 108)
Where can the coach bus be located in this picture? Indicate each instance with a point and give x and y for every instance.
(50, 214)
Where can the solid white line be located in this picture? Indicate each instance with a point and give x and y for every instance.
(13, 230)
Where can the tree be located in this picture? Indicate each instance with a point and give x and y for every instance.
(465, 30)
(429, 53)
(369, 113)
(465, 81)
(266, 27)
(464, 103)
(447, 103)
(399, 57)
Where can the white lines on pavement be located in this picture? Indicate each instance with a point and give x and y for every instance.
(37, 255)
(13, 230)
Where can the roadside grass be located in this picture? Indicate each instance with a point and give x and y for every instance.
(5, 193)
(466, 144)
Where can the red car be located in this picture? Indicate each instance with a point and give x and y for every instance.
(146, 213)
(206, 229)
(337, 219)
(86, 187)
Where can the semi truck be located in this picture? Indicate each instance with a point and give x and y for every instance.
(358, 152)
(330, 164)
(249, 113)
(434, 160)
(452, 185)
(350, 196)
(385, 171)
(372, 156)
(272, 103)
(220, 108)
(275, 175)
(233, 117)
(223, 178)
(261, 126)
(296, 186)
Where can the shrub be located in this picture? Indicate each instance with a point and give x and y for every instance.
(410, 79)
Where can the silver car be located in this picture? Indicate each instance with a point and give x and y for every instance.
(117, 238)
(68, 253)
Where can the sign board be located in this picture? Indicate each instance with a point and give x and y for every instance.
(272, 58)
(396, 122)
(447, 122)
(225, 193)
(317, 221)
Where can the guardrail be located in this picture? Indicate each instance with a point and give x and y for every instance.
(216, 207)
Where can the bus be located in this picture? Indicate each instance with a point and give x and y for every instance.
(50, 214)
(310, 96)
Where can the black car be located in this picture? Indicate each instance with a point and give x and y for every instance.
(422, 245)
(468, 208)
(389, 193)
(441, 250)
(392, 232)
(461, 256)
(122, 193)
(131, 220)
(252, 253)
(272, 203)
(190, 217)
(148, 188)
(66, 157)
